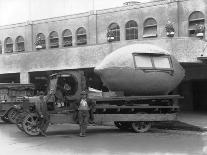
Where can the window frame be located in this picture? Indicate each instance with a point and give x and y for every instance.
(41, 40)
(153, 68)
(148, 26)
(129, 35)
(20, 43)
(81, 38)
(1, 50)
(8, 44)
(115, 32)
(193, 22)
(67, 38)
(53, 41)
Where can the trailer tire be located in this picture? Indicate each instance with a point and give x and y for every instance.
(141, 126)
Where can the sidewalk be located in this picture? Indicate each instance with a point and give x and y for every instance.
(198, 119)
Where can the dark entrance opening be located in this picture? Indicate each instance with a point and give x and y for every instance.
(40, 80)
(200, 95)
(68, 84)
(10, 78)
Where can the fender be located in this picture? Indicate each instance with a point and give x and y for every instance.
(17, 108)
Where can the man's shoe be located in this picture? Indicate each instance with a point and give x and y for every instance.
(43, 134)
(81, 135)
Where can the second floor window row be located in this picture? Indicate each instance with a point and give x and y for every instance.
(196, 27)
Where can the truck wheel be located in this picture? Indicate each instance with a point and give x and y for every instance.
(5, 119)
(19, 120)
(30, 124)
(12, 115)
(141, 126)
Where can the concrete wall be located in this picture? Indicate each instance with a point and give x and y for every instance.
(96, 22)
(186, 49)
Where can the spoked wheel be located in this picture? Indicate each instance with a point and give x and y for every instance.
(5, 119)
(30, 124)
(12, 115)
(122, 125)
(19, 119)
(141, 126)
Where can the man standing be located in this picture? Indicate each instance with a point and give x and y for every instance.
(42, 111)
(83, 113)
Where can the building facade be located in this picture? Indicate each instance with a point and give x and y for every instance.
(33, 50)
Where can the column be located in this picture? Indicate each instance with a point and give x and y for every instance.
(24, 78)
(29, 40)
(92, 28)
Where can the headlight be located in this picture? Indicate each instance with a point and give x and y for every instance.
(18, 107)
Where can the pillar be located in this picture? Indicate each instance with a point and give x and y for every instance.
(92, 28)
(24, 78)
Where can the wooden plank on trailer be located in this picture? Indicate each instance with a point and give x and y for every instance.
(100, 118)
(130, 98)
(133, 107)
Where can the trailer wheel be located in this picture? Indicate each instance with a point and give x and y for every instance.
(30, 124)
(12, 115)
(141, 126)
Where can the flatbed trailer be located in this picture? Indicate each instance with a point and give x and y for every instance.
(128, 111)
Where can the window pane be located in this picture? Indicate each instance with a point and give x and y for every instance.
(196, 15)
(150, 22)
(162, 62)
(143, 61)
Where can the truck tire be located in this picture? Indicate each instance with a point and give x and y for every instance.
(11, 114)
(31, 123)
(141, 126)
(19, 120)
(5, 119)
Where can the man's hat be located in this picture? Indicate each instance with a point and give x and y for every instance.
(41, 93)
(83, 92)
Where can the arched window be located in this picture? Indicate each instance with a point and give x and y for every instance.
(81, 36)
(150, 28)
(0, 48)
(40, 41)
(53, 40)
(113, 33)
(8, 45)
(20, 44)
(196, 20)
(131, 30)
(67, 38)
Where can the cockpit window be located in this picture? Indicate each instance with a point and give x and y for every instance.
(152, 61)
(143, 61)
(162, 62)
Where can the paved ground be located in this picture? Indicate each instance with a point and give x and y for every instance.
(198, 119)
(105, 140)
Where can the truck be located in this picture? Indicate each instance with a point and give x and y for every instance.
(12, 94)
(138, 82)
